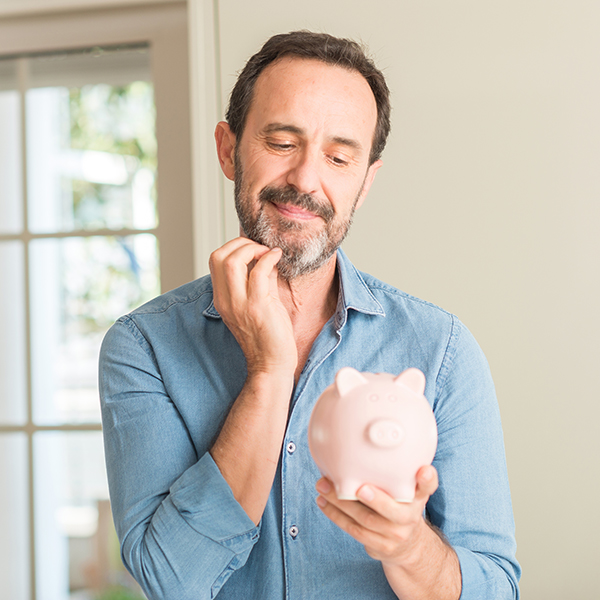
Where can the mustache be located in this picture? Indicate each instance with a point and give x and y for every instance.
(289, 195)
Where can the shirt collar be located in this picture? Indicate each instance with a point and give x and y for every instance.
(354, 294)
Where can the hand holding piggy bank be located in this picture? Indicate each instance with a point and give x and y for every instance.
(373, 428)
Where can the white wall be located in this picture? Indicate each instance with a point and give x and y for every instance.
(488, 204)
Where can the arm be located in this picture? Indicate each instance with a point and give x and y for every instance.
(417, 561)
(183, 520)
(248, 447)
(182, 532)
(471, 505)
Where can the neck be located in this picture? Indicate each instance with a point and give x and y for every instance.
(312, 297)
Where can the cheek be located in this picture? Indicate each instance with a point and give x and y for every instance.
(342, 193)
(262, 169)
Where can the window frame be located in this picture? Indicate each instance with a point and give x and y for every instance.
(164, 26)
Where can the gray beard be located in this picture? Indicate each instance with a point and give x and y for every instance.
(304, 253)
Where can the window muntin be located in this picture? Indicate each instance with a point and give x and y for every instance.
(78, 248)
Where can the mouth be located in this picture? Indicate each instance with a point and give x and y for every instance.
(292, 212)
(295, 206)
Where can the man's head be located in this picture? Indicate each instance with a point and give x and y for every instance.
(303, 144)
(326, 48)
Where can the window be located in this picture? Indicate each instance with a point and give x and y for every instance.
(87, 227)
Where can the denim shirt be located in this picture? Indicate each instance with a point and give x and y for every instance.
(171, 370)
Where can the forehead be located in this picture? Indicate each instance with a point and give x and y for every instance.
(314, 96)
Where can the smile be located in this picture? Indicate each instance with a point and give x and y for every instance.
(294, 212)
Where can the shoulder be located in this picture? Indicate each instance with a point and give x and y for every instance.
(192, 293)
(162, 318)
(435, 335)
(395, 300)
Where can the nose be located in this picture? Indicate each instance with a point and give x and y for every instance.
(303, 174)
(385, 433)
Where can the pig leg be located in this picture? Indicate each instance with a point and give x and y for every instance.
(404, 492)
(346, 489)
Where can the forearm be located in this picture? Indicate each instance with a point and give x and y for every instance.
(430, 571)
(249, 444)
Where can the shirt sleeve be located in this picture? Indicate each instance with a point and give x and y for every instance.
(182, 532)
(472, 505)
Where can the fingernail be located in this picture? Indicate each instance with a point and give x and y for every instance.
(323, 486)
(366, 493)
(321, 501)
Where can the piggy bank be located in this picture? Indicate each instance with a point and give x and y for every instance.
(373, 428)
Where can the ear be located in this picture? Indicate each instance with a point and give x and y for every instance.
(347, 379)
(413, 379)
(369, 178)
(225, 148)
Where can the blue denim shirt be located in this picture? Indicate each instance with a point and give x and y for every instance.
(171, 370)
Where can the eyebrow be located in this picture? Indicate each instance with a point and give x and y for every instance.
(343, 141)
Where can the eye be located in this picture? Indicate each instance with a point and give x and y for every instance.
(281, 147)
(338, 161)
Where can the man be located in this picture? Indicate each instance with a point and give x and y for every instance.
(207, 390)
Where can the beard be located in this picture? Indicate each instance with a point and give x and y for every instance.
(304, 251)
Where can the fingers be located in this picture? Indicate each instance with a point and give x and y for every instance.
(387, 529)
(229, 264)
(368, 537)
(427, 483)
(245, 289)
(263, 275)
(376, 509)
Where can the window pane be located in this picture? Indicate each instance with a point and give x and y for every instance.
(11, 174)
(79, 287)
(77, 553)
(12, 335)
(91, 153)
(14, 539)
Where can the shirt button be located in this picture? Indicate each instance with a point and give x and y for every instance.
(293, 531)
(291, 447)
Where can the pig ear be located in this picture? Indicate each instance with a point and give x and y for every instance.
(347, 379)
(413, 379)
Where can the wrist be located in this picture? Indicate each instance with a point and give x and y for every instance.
(266, 384)
(428, 569)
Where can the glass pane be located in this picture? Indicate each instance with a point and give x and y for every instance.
(11, 174)
(79, 287)
(12, 335)
(14, 540)
(91, 153)
(77, 553)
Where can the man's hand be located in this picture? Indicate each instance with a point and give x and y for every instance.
(417, 562)
(244, 276)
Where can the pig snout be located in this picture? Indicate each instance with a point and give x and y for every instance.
(385, 433)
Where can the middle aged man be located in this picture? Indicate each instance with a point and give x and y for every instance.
(207, 390)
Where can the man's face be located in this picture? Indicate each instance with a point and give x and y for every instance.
(301, 165)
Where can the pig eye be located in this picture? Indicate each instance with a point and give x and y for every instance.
(373, 397)
(392, 398)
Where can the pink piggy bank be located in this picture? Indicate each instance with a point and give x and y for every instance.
(373, 428)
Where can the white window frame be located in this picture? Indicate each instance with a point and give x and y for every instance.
(163, 24)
